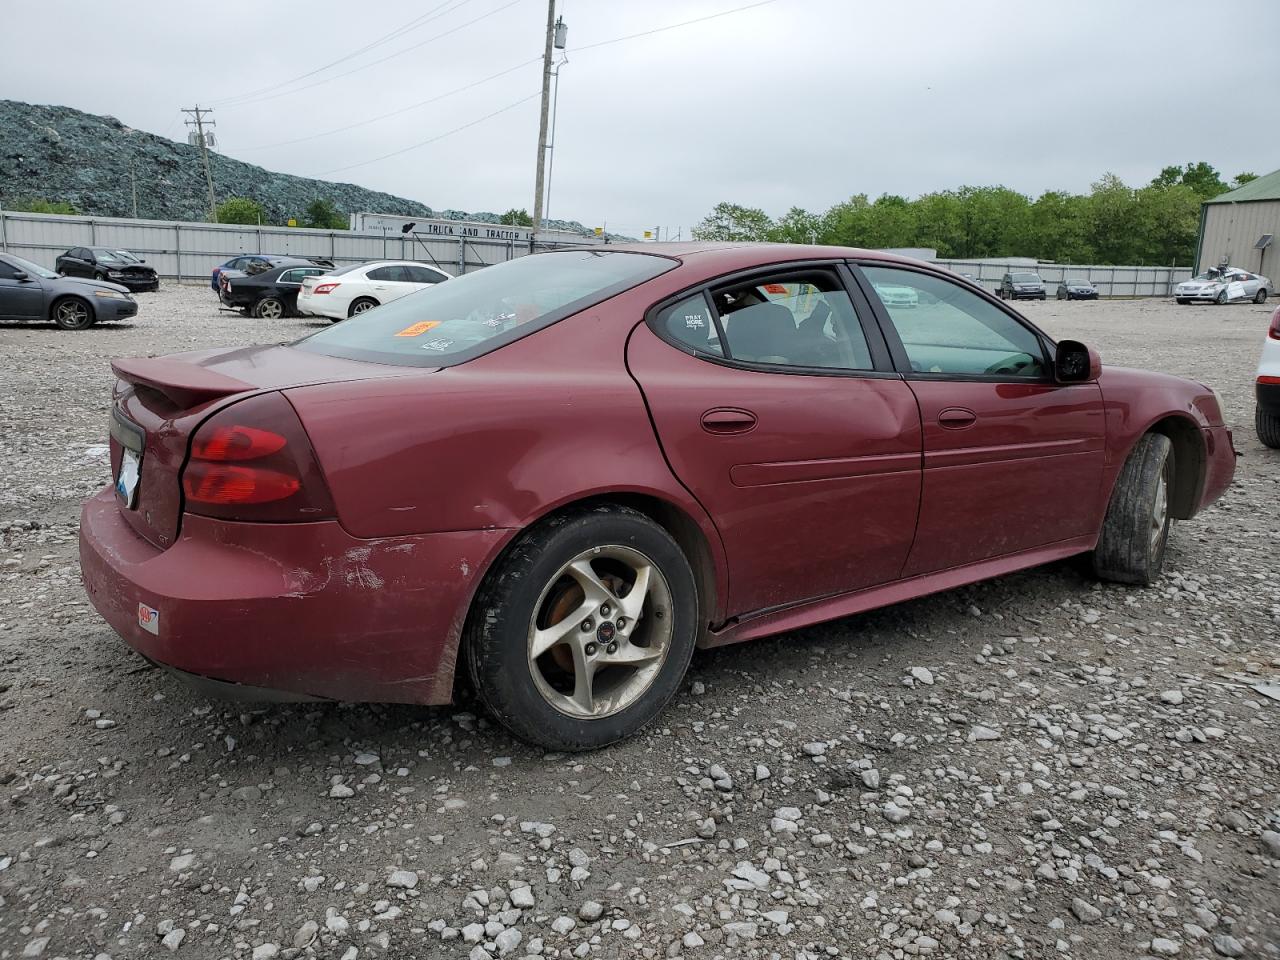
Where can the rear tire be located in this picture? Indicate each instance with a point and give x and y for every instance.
(72, 313)
(360, 305)
(633, 660)
(269, 308)
(1268, 427)
(1136, 529)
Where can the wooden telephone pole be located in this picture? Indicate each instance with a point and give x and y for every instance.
(199, 121)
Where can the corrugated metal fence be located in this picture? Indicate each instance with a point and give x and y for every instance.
(1110, 281)
(192, 250)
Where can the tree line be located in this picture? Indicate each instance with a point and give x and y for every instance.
(1155, 224)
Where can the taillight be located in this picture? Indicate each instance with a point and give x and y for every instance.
(326, 288)
(253, 461)
(1274, 330)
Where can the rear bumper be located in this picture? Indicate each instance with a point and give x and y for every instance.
(301, 609)
(320, 306)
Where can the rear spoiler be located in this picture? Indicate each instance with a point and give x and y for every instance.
(185, 384)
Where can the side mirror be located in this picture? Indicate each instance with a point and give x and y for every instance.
(21, 275)
(1076, 363)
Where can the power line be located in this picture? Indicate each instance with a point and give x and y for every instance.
(374, 63)
(423, 143)
(674, 26)
(393, 113)
(397, 32)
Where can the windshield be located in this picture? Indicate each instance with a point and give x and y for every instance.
(457, 321)
(341, 270)
(1211, 275)
(32, 268)
(1078, 283)
(126, 256)
(109, 256)
(1026, 278)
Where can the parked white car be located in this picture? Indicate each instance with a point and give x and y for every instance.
(344, 293)
(1266, 416)
(1224, 285)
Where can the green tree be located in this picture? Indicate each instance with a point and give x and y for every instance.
(728, 221)
(797, 225)
(38, 205)
(240, 210)
(1200, 177)
(517, 218)
(1242, 178)
(323, 215)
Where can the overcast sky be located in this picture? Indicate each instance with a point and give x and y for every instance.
(794, 102)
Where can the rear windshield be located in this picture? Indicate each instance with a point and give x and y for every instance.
(454, 322)
(1026, 278)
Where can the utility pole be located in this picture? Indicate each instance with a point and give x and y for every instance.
(199, 122)
(133, 185)
(542, 122)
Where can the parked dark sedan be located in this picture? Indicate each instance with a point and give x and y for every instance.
(108, 264)
(28, 291)
(269, 295)
(257, 262)
(1021, 286)
(1077, 290)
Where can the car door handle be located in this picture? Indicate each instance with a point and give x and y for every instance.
(724, 420)
(956, 418)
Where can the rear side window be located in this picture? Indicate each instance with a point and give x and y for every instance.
(394, 274)
(453, 322)
(689, 322)
(422, 275)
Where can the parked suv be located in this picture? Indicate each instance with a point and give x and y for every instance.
(1267, 412)
(1021, 286)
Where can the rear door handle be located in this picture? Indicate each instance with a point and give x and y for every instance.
(957, 418)
(722, 420)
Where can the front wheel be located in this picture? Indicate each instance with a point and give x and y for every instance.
(1268, 427)
(1183, 300)
(72, 313)
(269, 308)
(1221, 298)
(1136, 529)
(1260, 296)
(583, 631)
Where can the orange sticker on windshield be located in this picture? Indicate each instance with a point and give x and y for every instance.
(774, 288)
(419, 328)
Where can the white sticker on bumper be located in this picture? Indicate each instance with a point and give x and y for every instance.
(149, 619)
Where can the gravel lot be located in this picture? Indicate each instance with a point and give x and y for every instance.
(1036, 766)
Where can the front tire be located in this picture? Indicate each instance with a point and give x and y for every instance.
(1221, 298)
(583, 631)
(1260, 296)
(72, 313)
(1136, 529)
(1183, 301)
(269, 308)
(1268, 427)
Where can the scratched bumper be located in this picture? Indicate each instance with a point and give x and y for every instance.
(300, 608)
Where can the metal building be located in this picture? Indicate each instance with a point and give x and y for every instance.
(1240, 228)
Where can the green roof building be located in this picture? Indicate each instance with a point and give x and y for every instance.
(1240, 227)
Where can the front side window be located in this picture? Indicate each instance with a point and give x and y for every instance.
(29, 268)
(450, 323)
(797, 320)
(947, 329)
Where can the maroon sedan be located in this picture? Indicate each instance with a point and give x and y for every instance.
(569, 470)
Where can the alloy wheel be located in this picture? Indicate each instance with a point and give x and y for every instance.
(600, 632)
(72, 313)
(1159, 509)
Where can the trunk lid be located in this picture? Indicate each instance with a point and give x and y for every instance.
(159, 402)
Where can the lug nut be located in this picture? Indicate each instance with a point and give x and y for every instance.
(591, 649)
(622, 623)
(587, 625)
(612, 648)
(604, 609)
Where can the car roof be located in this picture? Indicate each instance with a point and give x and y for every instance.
(725, 256)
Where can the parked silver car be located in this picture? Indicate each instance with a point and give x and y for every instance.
(1224, 285)
(30, 292)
